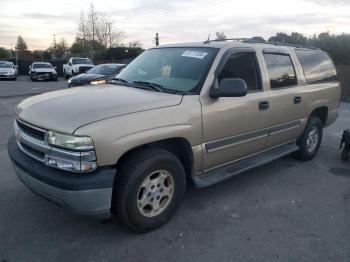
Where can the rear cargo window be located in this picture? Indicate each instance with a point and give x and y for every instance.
(317, 66)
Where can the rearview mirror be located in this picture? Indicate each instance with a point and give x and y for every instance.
(229, 87)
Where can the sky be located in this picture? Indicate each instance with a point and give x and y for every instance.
(37, 21)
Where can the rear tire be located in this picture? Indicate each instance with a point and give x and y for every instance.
(149, 188)
(345, 154)
(310, 141)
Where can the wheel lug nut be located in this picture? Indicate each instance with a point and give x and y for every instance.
(158, 197)
(149, 194)
(158, 185)
(161, 190)
(152, 187)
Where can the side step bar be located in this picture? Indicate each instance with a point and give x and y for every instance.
(224, 172)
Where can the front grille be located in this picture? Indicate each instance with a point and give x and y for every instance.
(83, 69)
(33, 152)
(31, 131)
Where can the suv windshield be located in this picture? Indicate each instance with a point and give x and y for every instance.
(5, 65)
(84, 61)
(174, 69)
(42, 66)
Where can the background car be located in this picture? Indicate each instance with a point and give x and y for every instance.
(8, 70)
(96, 75)
(42, 71)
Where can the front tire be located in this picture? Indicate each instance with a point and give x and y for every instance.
(310, 141)
(65, 74)
(149, 188)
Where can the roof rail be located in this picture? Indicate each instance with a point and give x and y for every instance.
(260, 40)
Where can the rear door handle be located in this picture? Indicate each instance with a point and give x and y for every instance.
(264, 105)
(297, 100)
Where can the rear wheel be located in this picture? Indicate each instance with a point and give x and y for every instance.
(345, 154)
(310, 141)
(149, 188)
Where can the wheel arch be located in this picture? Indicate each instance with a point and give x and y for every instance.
(322, 113)
(178, 146)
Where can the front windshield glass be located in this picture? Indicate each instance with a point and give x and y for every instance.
(42, 66)
(83, 61)
(177, 69)
(5, 65)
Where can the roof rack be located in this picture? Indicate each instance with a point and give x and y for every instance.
(260, 40)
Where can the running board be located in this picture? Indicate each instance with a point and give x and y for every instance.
(224, 172)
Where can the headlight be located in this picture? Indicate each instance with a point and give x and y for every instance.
(97, 82)
(70, 142)
(69, 80)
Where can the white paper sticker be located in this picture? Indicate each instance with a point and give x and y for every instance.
(194, 54)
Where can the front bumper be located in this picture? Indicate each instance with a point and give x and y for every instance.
(87, 194)
(45, 76)
(7, 76)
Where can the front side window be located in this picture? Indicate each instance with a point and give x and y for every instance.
(317, 66)
(280, 69)
(180, 69)
(243, 66)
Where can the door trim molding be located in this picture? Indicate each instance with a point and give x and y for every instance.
(221, 144)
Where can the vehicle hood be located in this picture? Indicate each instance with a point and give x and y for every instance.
(44, 70)
(86, 78)
(66, 110)
(5, 70)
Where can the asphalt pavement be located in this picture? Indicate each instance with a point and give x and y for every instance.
(284, 211)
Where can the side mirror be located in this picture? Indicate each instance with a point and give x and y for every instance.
(229, 87)
(69, 63)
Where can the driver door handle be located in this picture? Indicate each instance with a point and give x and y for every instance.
(264, 105)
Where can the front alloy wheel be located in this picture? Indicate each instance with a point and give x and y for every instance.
(155, 193)
(149, 187)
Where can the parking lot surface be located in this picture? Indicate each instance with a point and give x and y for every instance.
(284, 211)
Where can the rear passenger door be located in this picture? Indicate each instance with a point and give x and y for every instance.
(286, 105)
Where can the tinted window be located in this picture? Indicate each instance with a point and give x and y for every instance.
(83, 61)
(317, 66)
(281, 70)
(243, 66)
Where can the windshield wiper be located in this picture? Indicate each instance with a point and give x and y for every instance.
(119, 81)
(153, 86)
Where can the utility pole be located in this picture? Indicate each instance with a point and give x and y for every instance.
(93, 32)
(156, 39)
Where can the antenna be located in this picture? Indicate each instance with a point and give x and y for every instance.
(208, 40)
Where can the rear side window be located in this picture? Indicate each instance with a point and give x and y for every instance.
(281, 70)
(317, 66)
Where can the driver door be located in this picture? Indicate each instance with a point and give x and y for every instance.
(235, 127)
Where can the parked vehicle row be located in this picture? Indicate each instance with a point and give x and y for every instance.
(8, 70)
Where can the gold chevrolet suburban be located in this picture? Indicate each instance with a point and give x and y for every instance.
(198, 112)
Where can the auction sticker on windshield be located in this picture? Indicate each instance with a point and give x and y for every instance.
(194, 54)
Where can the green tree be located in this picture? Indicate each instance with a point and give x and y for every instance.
(4, 53)
(21, 45)
(220, 36)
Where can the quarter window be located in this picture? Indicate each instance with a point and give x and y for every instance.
(243, 66)
(281, 70)
(317, 66)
